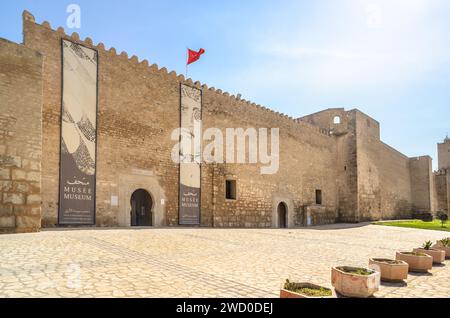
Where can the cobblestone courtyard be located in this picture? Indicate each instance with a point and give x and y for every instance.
(201, 262)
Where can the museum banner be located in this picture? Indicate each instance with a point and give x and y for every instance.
(78, 135)
(190, 156)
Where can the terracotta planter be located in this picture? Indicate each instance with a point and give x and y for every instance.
(353, 285)
(284, 293)
(416, 263)
(446, 249)
(437, 255)
(391, 271)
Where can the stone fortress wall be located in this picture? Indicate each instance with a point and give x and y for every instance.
(442, 177)
(360, 177)
(20, 137)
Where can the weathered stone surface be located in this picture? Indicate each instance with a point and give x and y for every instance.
(359, 176)
(5, 173)
(34, 199)
(13, 198)
(22, 187)
(7, 221)
(31, 165)
(442, 177)
(18, 174)
(33, 176)
(20, 132)
(5, 185)
(10, 161)
(6, 209)
(28, 222)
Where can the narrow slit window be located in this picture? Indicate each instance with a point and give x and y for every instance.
(319, 197)
(230, 189)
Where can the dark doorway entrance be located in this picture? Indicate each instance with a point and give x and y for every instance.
(282, 215)
(141, 208)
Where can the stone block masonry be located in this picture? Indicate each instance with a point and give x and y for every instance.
(139, 107)
(20, 138)
(333, 167)
(442, 177)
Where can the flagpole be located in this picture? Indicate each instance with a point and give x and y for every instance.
(187, 58)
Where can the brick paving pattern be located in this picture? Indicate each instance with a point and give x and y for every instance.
(202, 262)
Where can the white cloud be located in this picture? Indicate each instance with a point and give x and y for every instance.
(284, 51)
(404, 45)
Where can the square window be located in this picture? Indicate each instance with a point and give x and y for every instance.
(319, 197)
(230, 191)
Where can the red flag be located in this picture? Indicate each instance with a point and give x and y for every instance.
(194, 56)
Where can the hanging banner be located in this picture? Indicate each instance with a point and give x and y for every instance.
(78, 135)
(190, 156)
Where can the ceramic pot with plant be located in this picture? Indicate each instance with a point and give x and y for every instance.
(355, 281)
(443, 245)
(417, 262)
(391, 270)
(305, 290)
(437, 255)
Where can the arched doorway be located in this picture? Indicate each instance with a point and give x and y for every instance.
(282, 215)
(141, 208)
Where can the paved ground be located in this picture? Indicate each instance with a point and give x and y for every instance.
(201, 262)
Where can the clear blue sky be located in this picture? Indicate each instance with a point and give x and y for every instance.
(389, 58)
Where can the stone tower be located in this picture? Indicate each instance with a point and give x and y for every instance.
(442, 176)
(444, 154)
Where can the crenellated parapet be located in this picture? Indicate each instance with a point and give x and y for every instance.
(162, 71)
(442, 172)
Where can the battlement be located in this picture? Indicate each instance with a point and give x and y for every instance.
(442, 172)
(100, 47)
(335, 154)
(444, 154)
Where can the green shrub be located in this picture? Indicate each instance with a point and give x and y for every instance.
(307, 290)
(423, 216)
(445, 242)
(427, 245)
(443, 217)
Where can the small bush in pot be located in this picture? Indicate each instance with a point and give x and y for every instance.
(391, 270)
(305, 290)
(437, 255)
(355, 281)
(443, 245)
(417, 262)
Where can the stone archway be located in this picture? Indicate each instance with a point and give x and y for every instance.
(128, 184)
(141, 208)
(282, 212)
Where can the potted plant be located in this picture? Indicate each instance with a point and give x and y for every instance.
(437, 255)
(305, 290)
(417, 262)
(391, 270)
(443, 245)
(355, 281)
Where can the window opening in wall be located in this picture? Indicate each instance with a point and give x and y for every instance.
(230, 190)
(319, 197)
